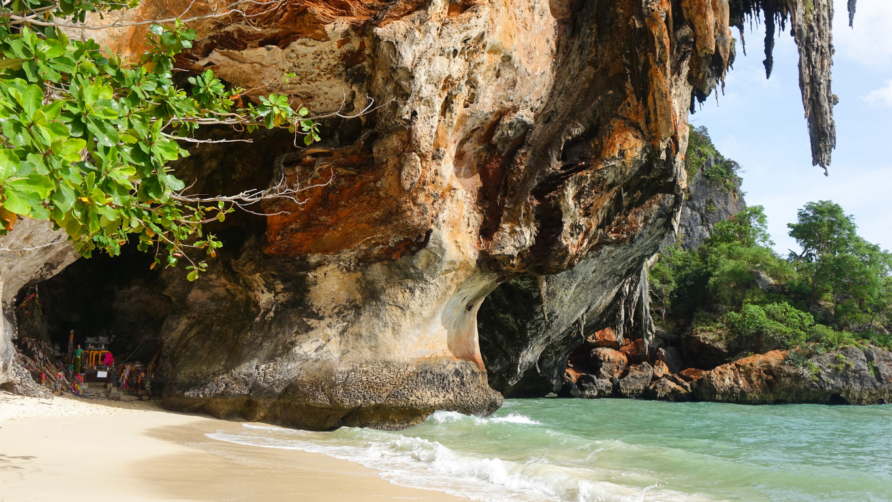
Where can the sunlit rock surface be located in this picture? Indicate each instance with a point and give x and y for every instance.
(527, 147)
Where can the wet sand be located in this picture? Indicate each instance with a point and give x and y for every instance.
(76, 450)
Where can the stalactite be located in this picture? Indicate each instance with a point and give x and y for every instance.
(814, 37)
(812, 22)
(623, 297)
(769, 42)
(647, 322)
(852, 13)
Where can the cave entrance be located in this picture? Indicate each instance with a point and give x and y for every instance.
(101, 305)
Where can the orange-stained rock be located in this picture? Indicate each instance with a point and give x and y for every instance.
(772, 378)
(635, 351)
(516, 140)
(636, 380)
(608, 362)
(665, 389)
(571, 375)
(660, 369)
(691, 374)
(604, 338)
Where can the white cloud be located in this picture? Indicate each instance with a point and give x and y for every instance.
(870, 41)
(881, 96)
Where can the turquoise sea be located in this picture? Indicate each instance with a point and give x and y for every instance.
(624, 450)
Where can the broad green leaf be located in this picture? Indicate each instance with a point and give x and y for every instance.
(11, 63)
(31, 100)
(64, 198)
(30, 68)
(172, 182)
(104, 133)
(71, 149)
(167, 150)
(56, 49)
(98, 196)
(15, 202)
(41, 186)
(9, 164)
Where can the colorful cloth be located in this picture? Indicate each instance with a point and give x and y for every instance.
(57, 388)
(77, 384)
(124, 375)
(108, 360)
(77, 363)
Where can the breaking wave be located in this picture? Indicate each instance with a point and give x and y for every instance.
(487, 475)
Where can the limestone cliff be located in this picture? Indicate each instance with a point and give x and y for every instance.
(603, 291)
(525, 150)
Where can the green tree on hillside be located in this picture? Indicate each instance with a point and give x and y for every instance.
(828, 239)
(736, 284)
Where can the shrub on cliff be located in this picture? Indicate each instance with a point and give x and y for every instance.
(87, 135)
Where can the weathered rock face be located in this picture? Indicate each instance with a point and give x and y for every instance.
(854, 376)
(30, 253)
(709, 202)
(524, 138)
(531, 147)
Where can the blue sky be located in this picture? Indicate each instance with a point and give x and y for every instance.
(760, 123)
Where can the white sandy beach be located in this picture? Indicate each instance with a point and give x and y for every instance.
(70, 449)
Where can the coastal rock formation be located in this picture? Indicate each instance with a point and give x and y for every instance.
(710, 199)
(31, 253)
(850, 376)
(522, 158)
(525, 349)
(517, 139)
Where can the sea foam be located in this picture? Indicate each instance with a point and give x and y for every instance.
(422, 463)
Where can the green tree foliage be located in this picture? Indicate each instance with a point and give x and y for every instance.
(87, 137)
(735, 283)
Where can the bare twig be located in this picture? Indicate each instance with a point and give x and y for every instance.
(32, 248)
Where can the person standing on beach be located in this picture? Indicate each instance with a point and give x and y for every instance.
(78, 358)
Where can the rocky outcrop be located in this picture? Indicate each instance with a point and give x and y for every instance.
(525, 161)
(850, 376)
(518, 140)
(710, 199)
(31, 252)
(636, 380)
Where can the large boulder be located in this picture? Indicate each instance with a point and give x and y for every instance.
(668, 389)
(607, 363)
(636, 380)
(589, 387)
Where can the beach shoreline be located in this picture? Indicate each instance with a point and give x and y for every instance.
(75, 449)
